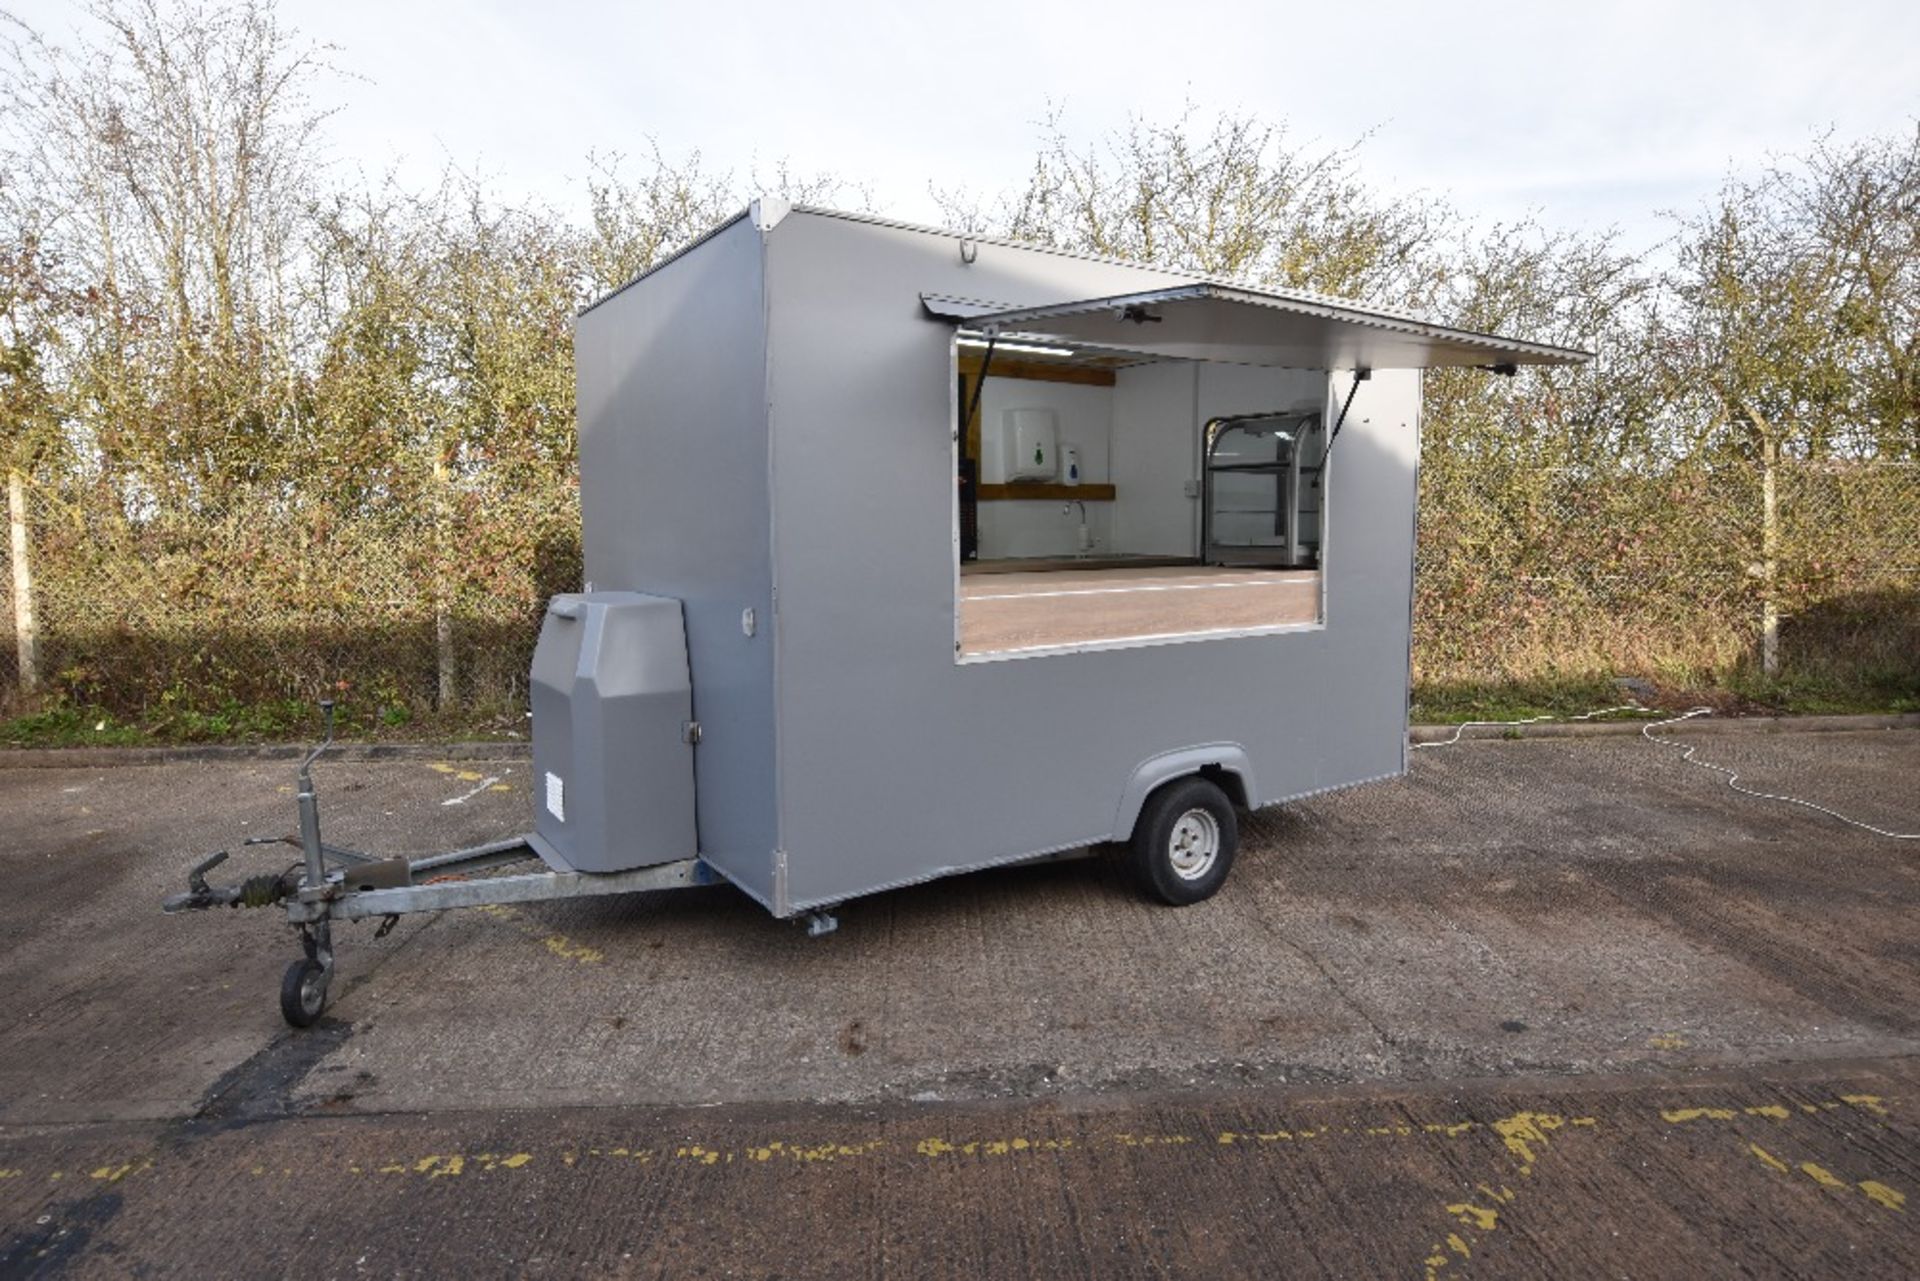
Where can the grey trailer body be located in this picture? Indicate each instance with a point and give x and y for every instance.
(768, 433)
(673, 467)
(789, 668)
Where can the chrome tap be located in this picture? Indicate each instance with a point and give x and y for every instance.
(1083, 540)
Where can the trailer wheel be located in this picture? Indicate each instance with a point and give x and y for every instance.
(303, 992)
(1184, 841)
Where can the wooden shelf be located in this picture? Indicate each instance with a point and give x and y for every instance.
(1046, 492)
(1005, 366)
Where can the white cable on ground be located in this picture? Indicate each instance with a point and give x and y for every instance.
(1646, 732)
(1531, 720)
(1733, 779)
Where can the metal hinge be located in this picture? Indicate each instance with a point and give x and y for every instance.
(690, 732)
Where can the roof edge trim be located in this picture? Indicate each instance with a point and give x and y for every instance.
(749, 212)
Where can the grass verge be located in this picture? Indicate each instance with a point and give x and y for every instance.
(69, 724)
(1739, 693)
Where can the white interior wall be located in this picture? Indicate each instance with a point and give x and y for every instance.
(1258, 389)
(1143, 435)
(1021, 527)
(1157, 412)
(1155, 453)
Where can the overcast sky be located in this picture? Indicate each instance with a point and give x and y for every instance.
(1590, 115)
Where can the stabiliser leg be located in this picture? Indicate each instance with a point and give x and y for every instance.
(303, 988)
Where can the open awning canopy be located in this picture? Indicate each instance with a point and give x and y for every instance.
(1245, 326)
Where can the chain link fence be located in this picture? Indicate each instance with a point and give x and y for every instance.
(407, 607)
(1682, 571)
(263, 598)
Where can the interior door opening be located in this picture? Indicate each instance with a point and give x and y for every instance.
(1261, 490)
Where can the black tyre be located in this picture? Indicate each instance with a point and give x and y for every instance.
(1184, 841)
(303, 992)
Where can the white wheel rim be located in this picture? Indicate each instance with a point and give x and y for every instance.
(1194, 844)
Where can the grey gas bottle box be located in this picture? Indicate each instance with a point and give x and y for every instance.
(612, 760)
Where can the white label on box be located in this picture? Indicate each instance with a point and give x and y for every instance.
(556, 796)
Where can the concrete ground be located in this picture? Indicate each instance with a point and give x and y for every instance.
(1557, 1007)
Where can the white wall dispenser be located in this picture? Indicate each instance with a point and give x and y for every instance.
(1030, 443)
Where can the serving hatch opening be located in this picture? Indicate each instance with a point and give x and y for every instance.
(1190, 495)
(1094, 509)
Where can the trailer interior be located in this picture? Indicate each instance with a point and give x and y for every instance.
(1153, 499)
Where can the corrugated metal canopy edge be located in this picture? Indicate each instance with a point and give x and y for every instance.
(1246, 326)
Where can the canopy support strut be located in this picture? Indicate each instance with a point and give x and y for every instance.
(980, 379)
(1359, 376)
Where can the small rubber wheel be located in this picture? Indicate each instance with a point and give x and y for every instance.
(1184, 841)
(303, 992)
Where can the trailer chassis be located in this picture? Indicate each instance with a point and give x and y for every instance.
(331, 884)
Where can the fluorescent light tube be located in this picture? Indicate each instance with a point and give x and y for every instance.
(1027, 348)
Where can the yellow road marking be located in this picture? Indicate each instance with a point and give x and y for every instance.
(1524, 1135)
(807, 1153)
(1525, 1138)
(1773, 1111)
(986, 1147)
(1821, 1176)
(115, 1173)
(1881, 1194)
(1151, 1140)
(1451, 1130)
(1522, 1131)
(639, 1156)
(558, 944)
(456, 773)
(455, 1164)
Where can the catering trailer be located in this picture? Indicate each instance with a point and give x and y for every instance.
(910, 552)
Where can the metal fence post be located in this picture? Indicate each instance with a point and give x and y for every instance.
(26, 634)
(1769, 557)
(443, 650)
